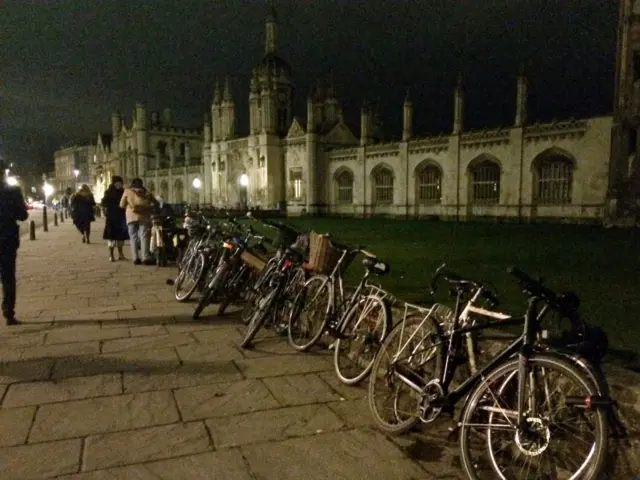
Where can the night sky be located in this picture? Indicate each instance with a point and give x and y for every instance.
(67, 65)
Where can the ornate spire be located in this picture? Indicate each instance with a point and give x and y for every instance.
(271, 29)
(216, 94)
(226, 95)
(407, 97)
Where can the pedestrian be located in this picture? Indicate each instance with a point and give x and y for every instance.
(82, 211)
(12, 210)
(66, 202)
(139, 205)
(115, 227)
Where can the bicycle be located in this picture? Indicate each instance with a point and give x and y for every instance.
(367, 308)
(513, 372)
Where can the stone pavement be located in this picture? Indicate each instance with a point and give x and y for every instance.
(109, 378)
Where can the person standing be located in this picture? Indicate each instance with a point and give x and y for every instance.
(115, 227)
(66, 202)
(12, 210)
(139, 204)
(82, 211)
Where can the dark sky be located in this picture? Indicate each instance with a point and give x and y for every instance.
(66, 65)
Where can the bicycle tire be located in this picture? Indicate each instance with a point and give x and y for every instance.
(300, 301)
(406, 424)
(199, 262)
(589, 470)
(210, 291)
(353, 315)
(258, 318)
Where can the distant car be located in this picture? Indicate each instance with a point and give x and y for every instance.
(37, 204)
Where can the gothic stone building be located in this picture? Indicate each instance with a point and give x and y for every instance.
(559, 170)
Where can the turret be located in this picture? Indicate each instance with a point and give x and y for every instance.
(140, 116)
(521, 99)
(407, 118)
(271, 29)
(365, 124)
(207, 130)
(311, 117)
(254, 104)
(228, 111)
(331, 104)
(167, 118)
(216, 126)
(116, 124)
(458, 107)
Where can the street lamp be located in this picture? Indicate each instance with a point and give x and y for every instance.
(48, 190)
(244, 180)
(12, 181)
(197, 183)
(76, 173)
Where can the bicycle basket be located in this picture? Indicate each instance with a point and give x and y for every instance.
(253, 261)
(322, 256)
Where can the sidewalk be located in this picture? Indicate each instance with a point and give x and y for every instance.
(109, 377)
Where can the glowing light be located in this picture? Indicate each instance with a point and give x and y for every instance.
(76, 172)
(244, 180)
(196, 183)
(12, 181)
(48, 190)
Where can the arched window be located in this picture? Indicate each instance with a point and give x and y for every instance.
(428, 184)
(553, 177)
(383, 186)
(485, 182)
(344, 187)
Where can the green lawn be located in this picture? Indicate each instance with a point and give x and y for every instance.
(600, 265)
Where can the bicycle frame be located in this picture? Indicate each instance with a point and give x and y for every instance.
(523, 345)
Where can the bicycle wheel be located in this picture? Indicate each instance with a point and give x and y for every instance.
(254, 292)
(308, 316)
(547, 448)
(259, 317)
(416, 343)
(211, 289)
(365, 327)
(189, 277)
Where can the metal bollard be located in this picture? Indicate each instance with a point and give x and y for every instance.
(32, 230)
(55, 219)
(45, 223)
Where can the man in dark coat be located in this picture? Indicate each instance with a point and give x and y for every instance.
(12, 210)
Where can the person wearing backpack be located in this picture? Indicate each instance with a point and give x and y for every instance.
(139, 204)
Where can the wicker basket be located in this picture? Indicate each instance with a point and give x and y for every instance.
(322, 256)
(253, 261)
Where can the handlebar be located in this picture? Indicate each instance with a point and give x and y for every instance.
(459, 281)
(533, 287)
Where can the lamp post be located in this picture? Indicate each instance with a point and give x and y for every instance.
(197, 184)
(76, 173)
(12, 181)
(244, 183)
(48, 190)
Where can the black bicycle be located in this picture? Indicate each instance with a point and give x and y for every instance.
(514, 424)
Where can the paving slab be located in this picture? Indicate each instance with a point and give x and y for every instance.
(15, 424)
(222, 465)
(272, 425)
(145, 444)
(78, 418)
(40, 460)
(223, 399)
(76, 388)
(336, 455)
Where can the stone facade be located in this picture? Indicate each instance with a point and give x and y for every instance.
(557, 171)
(71, 158)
